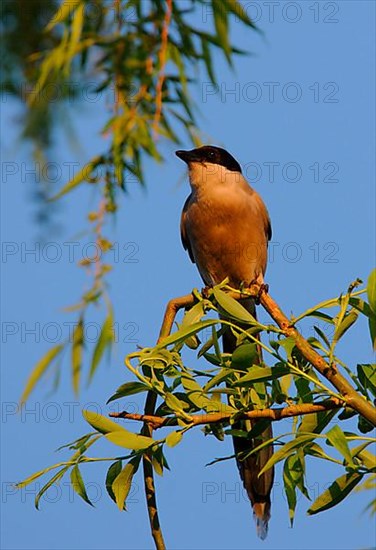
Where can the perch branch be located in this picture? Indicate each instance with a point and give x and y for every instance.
(156, 422)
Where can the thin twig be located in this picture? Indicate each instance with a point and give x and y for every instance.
(162, 66)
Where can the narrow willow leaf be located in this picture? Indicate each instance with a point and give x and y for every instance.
(232, 308)
(372, 331)
(78, 178)
(361, 306)
(244, 356)
(77, 349)
(314, 449)
(290, 491)
(174, 438)
(221, 26)
(322, 336)
(39, 370)
(193, 315)
(239, 11)
(106, 337)
(258, 374)
(130, 440)
(64, 10)
(51, 482)
(371, 291)
(100, 423)
(157, 461)
(35, 476)
(286, 450)
(123, 482)
(288, 344)
(78, 484)
(112, 473)
(174, 403)
(338, 490)
(344, 326)
(196, 396)
(367, 377)
(129, 388)
(184, 333)
(337, 438)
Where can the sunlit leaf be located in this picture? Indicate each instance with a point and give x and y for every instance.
(129, 440)
(123, 482)
(39, 370)
(338, 490)
(232, 308)
(77, 350)
(78, 484)
(106, 337)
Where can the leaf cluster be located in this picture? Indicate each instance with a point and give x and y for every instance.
(232, 384)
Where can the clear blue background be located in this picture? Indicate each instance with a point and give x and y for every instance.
(200, 508)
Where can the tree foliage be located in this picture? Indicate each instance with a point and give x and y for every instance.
(222, 387)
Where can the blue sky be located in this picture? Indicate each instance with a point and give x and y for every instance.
(317, 133)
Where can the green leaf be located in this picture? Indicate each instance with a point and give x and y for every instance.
(184, 333)
(337, 438)
(322, 336)
(258, 374)
(338, 490)
(35, 476)
(193, 315)
(130, 440)
(346, 323)
(196, 395)
(367, 377)
(235, 7)
(287, 449)
(123, 482)
(371, 291)
(39, 370)
(64, 10)
(221, 26)
(244, 356)
(79, 485)
(372, 331)
(112, 473)
(174, 403)
(129, 388)
(289, 486)
(51, 482)
(77, 349)
(288, 344)
(101, 423)
(106, 337)
(232, 308)
(78, 178)
(174, 438)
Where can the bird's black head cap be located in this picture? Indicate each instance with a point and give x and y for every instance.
(212, 154)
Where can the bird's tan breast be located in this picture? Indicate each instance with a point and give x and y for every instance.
(226, 229)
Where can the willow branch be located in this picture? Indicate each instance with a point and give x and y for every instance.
(329, 371)
(151, 499)
(156, 422)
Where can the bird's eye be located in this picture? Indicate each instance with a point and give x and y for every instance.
(211, 154)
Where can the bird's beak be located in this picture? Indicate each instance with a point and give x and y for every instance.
(188, 156)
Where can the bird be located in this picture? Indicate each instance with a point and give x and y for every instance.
(225, 228)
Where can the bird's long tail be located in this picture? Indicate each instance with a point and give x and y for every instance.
(258, 487)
